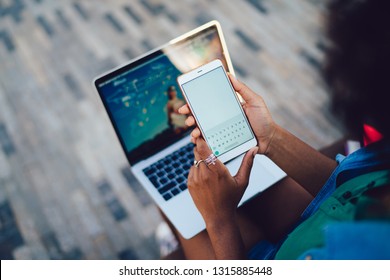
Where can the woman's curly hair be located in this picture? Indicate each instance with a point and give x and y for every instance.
(357, 66)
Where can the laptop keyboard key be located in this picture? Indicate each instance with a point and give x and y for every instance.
(175, 191)
(166, 187)
(167, 196)
(183, 187)
(154, 181)
(163, 180)
(179, 171)
(159, 166)
(149, 171)
(180, 179)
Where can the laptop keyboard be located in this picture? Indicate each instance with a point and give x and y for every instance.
(169, 175)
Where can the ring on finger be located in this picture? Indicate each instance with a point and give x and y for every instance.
(197, 162)
(211, 159)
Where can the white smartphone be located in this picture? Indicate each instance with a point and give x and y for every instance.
(217, 110)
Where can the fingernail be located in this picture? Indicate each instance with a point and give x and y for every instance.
(254, 152)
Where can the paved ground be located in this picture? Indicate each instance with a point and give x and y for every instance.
(66, 191)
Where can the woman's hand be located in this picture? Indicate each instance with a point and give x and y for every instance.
(255, 109)
(215, 192)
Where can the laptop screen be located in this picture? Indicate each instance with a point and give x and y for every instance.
(142, 97)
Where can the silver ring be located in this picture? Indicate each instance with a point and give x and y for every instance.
(197, 162)
(211, 159)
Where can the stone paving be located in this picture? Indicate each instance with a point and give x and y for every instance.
(66, 191)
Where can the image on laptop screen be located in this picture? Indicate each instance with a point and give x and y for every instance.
(142, 98)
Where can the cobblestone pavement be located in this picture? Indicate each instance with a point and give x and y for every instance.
(66, 191)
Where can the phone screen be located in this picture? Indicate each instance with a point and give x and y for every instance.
(217, 110)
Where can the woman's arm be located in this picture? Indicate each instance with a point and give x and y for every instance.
(300, 161)
(226, 239)
(216, 194)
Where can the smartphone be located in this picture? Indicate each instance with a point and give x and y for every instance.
(217, 110)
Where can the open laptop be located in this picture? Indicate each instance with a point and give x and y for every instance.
(141, 99)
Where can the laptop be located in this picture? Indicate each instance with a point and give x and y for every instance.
(142, 98)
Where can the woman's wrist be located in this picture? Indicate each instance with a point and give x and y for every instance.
(266, 143)
(221, 223)
(277, 142)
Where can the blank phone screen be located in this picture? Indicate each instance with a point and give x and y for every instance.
(217, 111)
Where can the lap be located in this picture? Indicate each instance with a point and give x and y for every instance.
(278, 208)
(199, 247)
(269, 216)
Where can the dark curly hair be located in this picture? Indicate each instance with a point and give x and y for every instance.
(357, 67)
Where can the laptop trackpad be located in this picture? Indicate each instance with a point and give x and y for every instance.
(264, 174)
